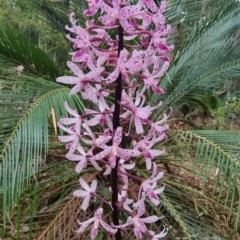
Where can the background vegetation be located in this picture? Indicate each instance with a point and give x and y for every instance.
(201, 164)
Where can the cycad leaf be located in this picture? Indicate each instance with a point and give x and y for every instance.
(25, 108)
(177, 227)
(210, 160)
(17, 48)
(57, 15)
(209, 56)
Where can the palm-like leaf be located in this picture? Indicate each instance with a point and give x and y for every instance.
(56, 15)
(26, 105)
(201, 167)
(203, 176)
(209, 56)
(193, 159)
(206, 59)
(17, 48)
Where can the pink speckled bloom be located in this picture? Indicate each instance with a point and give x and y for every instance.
(97, 220)
(139, 224)
(87, 193)
(115, 151)
(149, 184)
(160, 235)
(81, 81)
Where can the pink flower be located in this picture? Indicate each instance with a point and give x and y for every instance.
(160, 235)
(122, 169)
(83, 159)
(145, 145)
(76, 120)
(134, 63)
(125, 15)
(157, 128)
(96, 142)
(115, 151)
(96, 95)
(138, 222)
(95, 138)
(149, 4)
(72, 139)
(149, 190)
(81, 80)
(160, 43)
(84, 41)
(87, 193)
(141, 60)
(120, 68)
(152, 79)
(137, 112)
(123, 200)
(157, 18)
(93, 5)
(99, 118)
(97, 219)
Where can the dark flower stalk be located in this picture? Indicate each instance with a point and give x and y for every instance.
(116, 124)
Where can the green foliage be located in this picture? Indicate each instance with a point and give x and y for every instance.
(100, 235)
(209, 57)
(25, 110)
(232, 108)
(17, 48)
(22, 17)
(201, 199)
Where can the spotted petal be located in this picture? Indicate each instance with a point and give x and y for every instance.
(102, 154)
(68, 80)
(107, 227)
(84, 185)
(137, 232)
(159, 190)
(161, 235)
(79, 167)
(66, 138)
(126, 154)
(138, 125)
(117, 139)
(85, 203)
(85, 224)
(80, 193)
(113, 76)
(75, 69)
(150, 4)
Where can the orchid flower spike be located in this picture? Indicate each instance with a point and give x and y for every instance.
(115, 132)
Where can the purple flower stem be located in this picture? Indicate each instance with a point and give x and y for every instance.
(102, 27)
(103, 200)
(133, 86)
(94, 114)
(139, 179)
(102, 39)
(116, 124)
